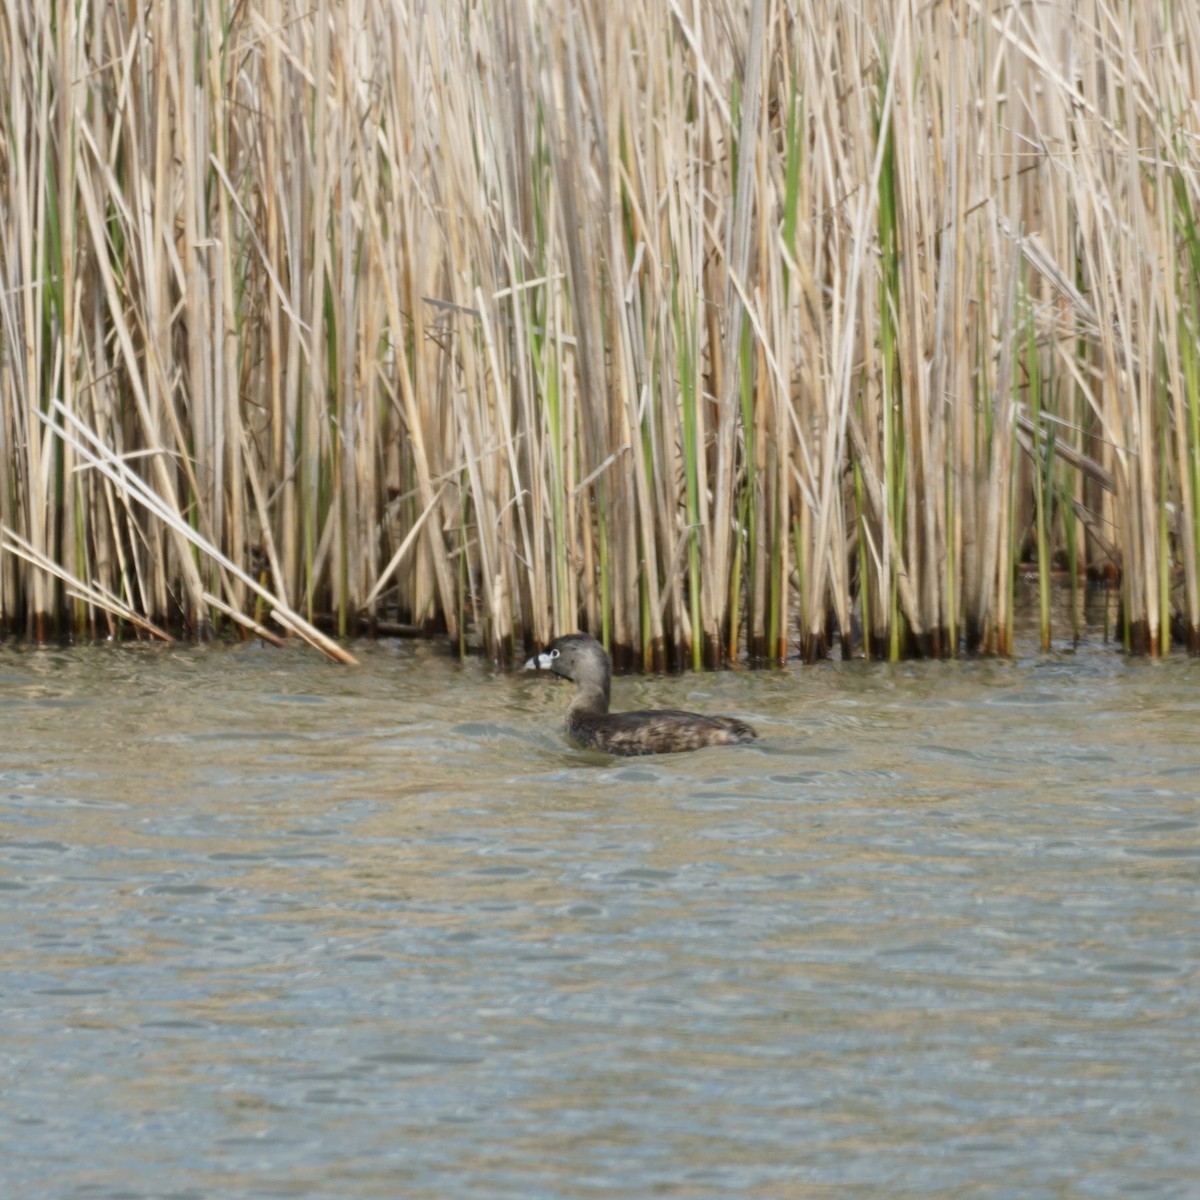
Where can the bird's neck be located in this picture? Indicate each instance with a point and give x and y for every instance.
(592, 697)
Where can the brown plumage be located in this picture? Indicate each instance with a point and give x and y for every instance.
(580, 658)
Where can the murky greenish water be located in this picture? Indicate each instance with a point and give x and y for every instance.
(275, 928)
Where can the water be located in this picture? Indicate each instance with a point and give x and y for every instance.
(275, 928)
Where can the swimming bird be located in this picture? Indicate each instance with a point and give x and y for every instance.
(580, 658)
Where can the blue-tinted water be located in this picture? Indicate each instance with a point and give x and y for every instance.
(275, 928)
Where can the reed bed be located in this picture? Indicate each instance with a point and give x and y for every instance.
(710, 326)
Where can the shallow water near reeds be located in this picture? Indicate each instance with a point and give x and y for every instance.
(275, 928)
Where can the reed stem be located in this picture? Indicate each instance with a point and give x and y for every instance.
(508, 320)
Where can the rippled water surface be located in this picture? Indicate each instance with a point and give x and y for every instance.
(275, 928)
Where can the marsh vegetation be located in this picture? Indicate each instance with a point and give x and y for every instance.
(695, 325)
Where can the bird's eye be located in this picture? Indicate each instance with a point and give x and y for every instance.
(553, 653)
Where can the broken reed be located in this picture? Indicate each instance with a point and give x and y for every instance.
(700, 326)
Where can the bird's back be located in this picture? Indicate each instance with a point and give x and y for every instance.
(659, 731)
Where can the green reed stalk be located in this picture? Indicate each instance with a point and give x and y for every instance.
(738, 578)
(799, 541)
(864, 561)
(751, 515)
(897, 627)
(894, 445)
(1163, 509)
(1188, 432)
(794, 150)
(1007, 573)
(464, 591)
(1042, 467)
(1187, 398)
(687, 392)
(776, 615)
(1067, 509)
(549, 388)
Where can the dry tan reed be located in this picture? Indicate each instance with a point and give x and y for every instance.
(703, 325)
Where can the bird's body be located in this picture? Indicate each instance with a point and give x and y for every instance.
(580, 658)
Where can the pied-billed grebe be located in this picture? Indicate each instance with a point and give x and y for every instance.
(579, 657)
